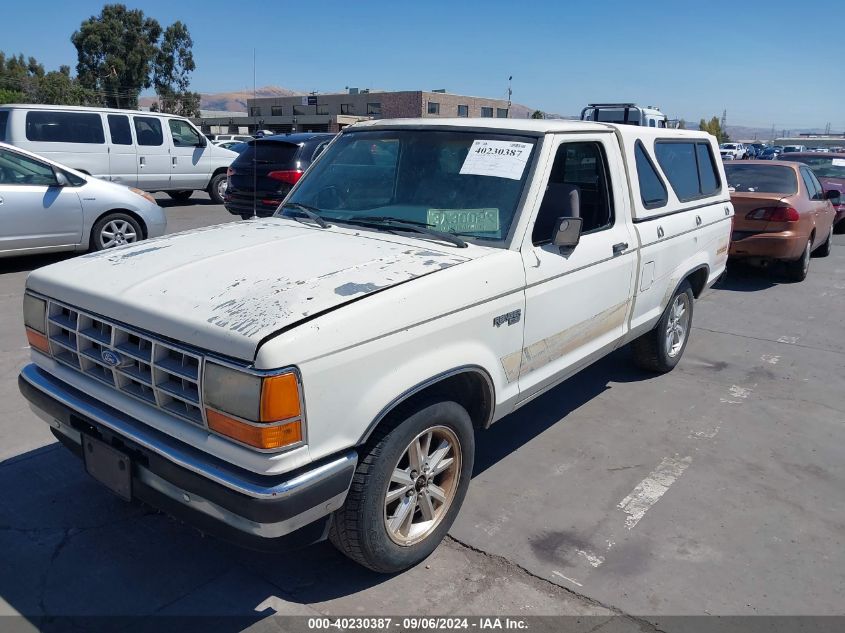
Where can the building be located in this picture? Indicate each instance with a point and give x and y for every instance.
(333, 112)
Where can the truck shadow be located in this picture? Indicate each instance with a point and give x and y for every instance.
(75, 556)
(27, 263)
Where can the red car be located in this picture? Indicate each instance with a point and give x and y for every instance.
(830, 170)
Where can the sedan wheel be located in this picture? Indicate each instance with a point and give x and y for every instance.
(677, 325)
(115, 230)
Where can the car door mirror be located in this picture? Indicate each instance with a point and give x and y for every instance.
(61, 179)
(832, 195)
(567, 232)
(202, 142)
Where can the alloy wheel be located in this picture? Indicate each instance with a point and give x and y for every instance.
(678, 325)
(117, 233)
(422, 486)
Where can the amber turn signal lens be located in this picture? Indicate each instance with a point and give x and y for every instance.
(279, 398)
(258, 436)
(37, 340)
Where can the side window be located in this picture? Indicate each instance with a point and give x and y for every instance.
(813, 191)
(148, 131)
(579, 172)
(652, 190)
(707, 174)
(17, 169)
(4, 117)
(52, 126)
(819, 188)
(678, 162)
(119, 129)
(183, 134)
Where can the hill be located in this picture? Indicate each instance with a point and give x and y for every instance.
(232, 101)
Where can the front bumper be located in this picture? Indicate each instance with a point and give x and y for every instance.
(257, 511)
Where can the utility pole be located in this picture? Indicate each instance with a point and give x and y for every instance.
(773, 133)
(724, 120)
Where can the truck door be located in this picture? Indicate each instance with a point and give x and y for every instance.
(577, 299)
(189, 161)
(35, 212)
(153, 154)
(123, 155)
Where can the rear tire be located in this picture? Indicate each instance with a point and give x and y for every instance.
(180, 196)
(797, 270)
(661, 349)
(115, 229)
(409, 485)
(217, 188)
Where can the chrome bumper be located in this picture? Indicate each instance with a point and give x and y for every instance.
(260, 506)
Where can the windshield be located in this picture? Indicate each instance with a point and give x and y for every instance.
(728, 146)
(761, 178)
(465, 183)
(824, 166)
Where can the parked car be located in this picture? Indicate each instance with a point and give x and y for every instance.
(770, 153)
(759, 148)
(750, 152)
(267, 169)
(234, 146)
(782, 214)
(241, 138)
(262, 133)
(47, 207)
(148, 150)
(325, 370)
(789, 149)
(830, 170)
(733, 151)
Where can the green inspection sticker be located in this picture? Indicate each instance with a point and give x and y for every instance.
(464, 220)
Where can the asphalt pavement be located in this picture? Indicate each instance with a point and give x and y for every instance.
(624, 497)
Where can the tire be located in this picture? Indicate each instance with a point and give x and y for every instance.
(369, 528)
(797, 270)
(825, 249)
(217, 188)
(180, 196)
(653, 350)
(115, 229)
(839, 227)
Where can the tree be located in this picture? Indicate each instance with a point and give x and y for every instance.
(538, 114)
(173, 66)
(116, 51)
(11, 96)
(25, 81)
(714, 127)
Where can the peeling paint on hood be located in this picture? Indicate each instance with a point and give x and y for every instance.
(228, 287)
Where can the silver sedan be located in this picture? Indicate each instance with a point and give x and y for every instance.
(47, 207)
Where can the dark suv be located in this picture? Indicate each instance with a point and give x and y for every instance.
(263, 174)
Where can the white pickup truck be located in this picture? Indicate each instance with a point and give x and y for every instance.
(323, 372)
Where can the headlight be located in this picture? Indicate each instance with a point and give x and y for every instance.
(261, 411)
(35, 320)
(147, 196)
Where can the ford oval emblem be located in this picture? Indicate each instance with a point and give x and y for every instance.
(110, 357)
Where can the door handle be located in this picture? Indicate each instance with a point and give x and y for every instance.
(620, 248)
(698, 220)
(174, 161)
(1, 199)
(143, 161)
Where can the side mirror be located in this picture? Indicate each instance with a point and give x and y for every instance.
(61, 179)
(567, 232)
(833, 195)
(203, 142)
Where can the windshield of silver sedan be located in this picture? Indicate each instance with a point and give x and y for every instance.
(464, 183)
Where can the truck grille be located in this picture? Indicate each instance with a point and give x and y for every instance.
(162, 375)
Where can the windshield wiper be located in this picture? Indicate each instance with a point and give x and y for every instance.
(406, 225)
(309, 211)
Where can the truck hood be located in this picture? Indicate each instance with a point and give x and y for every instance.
(227, 287)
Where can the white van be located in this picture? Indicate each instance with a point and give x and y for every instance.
(149, 150)
(625, 113)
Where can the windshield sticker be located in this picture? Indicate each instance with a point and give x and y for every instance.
(503, 159)
(839, 162)
(464, 220)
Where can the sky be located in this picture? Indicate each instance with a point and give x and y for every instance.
(767, 62)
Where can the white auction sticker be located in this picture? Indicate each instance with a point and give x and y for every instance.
(839, 162)
(503, 159)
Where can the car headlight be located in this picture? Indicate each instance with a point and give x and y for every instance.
(35, 320)
(147, 196)
(261, 411)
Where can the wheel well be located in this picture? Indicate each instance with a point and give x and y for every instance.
(137, 218)
(471, 388)
(219, 170)
(698, 280)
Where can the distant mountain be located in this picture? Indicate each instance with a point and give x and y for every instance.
(232, 101)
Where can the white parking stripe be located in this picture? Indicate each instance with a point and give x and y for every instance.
(650, 489)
